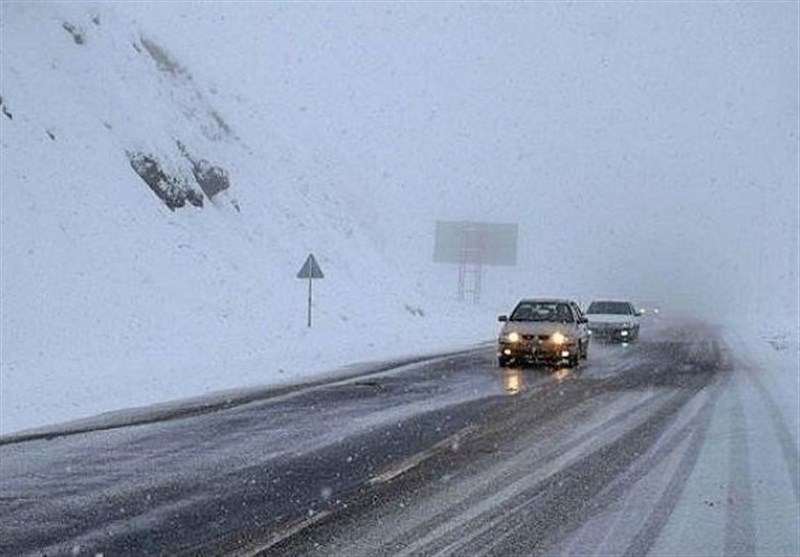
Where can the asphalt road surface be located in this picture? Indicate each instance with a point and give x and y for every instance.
(446, 456)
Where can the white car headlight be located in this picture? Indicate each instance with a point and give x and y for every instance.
(512, 337)
(558, 338)
(624, 333)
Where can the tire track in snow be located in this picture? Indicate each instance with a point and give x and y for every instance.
(791, 454)
(740, 535)
(662, 509)
(684, 438)
(535, 502)
(623, 466)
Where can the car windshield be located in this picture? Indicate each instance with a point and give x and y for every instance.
(542, 311)
(612, 308)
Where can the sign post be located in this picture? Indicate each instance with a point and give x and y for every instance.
(310, 271)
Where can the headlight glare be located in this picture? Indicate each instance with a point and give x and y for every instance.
(512, 337)
(559, 338)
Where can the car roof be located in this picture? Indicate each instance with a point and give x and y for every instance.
(546, 300)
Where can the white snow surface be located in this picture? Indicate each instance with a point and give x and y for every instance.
(110, 300)
(347, 131)
(748, 464)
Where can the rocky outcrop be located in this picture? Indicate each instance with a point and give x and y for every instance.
(75, 31)
(163, 60)
(211, 179)
(5, 110)
(173, 191)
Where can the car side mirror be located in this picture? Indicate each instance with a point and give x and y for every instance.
(503, 318)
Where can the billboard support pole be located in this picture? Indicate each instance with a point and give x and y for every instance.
(471, 245)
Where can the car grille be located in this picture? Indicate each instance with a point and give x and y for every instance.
(534, 337)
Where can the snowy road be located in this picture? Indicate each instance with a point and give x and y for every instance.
(451, 456)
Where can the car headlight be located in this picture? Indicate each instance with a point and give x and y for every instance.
(512, 337)
(558, 338)
(624, 333)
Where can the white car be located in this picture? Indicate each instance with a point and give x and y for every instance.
(542, 332)
(613, 321)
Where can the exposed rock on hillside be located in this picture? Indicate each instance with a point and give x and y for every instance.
(173, 191)
(163, 60)
(75, 31)
(5, 110)
(212, 179)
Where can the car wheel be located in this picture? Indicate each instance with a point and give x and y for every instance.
(502, 362)
(583, 350)
(575, 359)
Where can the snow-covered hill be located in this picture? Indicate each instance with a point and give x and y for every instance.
(167, 167)
(112, 298)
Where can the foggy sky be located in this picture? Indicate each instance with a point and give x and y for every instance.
(647, 150)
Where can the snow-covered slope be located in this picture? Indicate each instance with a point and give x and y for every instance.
(110, 298)
(646, 152)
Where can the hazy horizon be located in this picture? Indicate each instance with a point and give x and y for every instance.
(647, 150)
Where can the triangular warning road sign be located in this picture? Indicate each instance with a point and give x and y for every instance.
(310, 269)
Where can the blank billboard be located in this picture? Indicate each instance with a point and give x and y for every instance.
(484, 243)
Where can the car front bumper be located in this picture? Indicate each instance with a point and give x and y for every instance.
(613, 333)
(535, 353)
